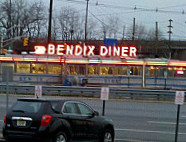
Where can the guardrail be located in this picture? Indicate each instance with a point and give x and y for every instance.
(91, 91)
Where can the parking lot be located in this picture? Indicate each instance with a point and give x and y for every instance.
(134, 120)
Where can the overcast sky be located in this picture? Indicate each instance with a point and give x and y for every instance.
(147, 12)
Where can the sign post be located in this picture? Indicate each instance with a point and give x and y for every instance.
(7, 75)
(38, 91)
(104, 97)
(179, 100)
(165, 77)
(128, 76)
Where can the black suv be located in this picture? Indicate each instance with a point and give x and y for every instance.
(55, 121)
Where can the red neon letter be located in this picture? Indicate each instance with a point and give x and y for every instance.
(51, 49)
(124, 51)
(116, 51)
(133, 51)
(91, 50)
(60, 49)
(69, 50)
(103, 51)
(78, 50)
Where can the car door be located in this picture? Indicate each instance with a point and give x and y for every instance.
(92, 121)
(76, 121)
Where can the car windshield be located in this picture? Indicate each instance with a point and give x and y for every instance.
(26, 106)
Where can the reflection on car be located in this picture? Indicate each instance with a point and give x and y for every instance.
(56, 121)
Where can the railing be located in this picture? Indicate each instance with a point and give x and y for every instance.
(92, 92)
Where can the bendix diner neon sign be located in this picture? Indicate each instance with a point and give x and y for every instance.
(85, 50)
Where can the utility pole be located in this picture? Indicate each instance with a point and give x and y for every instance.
(1, 43)
(134, 28)
(156, 38)
(10, 18)
(50, 21)
(86, 19)
(170, 32)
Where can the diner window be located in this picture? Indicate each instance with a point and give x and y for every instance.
(82, 69)
(135, 70)
(39, 68)
(155, 71)
(177, 71)
(7, 64)
(72, 69)
(171, 72)
(23, 67)
(92, 70)
(121, 70)
(106, 70)
(161, 71)
(150, 71)
(54, 69)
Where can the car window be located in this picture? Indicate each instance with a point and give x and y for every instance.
(85, 110)
(26, 106)
(70, 108)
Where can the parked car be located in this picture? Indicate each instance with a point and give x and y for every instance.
(56, 121)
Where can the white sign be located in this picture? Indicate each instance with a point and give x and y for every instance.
(179, 99)
(165, 74)
(104, 93)
(38, 91)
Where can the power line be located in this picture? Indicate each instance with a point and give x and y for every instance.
(173, 6)
(102, 21)
(135, 8)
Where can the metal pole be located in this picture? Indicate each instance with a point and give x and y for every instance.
(7, 88)
(165, 84)
(1, 49)
(177, 123)
(103, 111)
(134, 28)
(156, 38)
(144, 78)
(170, 32)
(50, 21)
(10, 18)
(86, 19)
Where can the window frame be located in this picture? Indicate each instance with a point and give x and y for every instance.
(77, 107)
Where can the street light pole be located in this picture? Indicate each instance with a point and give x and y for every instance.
(50, 21)
(170, 32)
(1, 44)
(10, 18)
(86, 19)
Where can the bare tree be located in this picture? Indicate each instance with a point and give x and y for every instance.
(68, 20)
(113, 29)
(152, 35)
(22, 17)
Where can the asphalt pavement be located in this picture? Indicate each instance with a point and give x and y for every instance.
(135, 121)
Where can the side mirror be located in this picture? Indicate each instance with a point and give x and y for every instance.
(96, 113)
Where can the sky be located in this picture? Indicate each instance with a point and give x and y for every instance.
(146, 13)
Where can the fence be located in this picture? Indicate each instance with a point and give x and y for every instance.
(92, 92)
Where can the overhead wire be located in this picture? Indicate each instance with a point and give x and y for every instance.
(128, 9)
(135, 8)
(101, 21)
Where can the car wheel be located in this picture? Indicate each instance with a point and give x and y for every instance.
(61, 137)
(107, 136)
